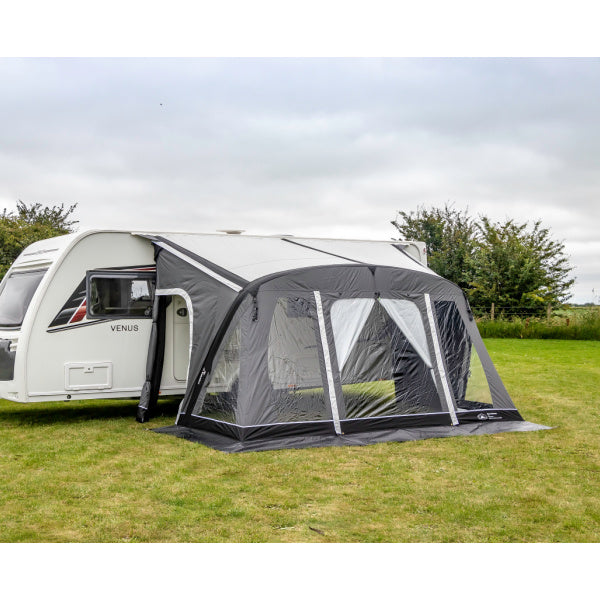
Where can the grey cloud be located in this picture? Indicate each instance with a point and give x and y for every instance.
(307, 146)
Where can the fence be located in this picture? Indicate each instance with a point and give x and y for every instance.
(495, 311)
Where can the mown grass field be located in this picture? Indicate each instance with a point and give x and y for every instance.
(87, 472)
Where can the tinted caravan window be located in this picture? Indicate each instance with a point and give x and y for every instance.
(120, 295)
(15, 295)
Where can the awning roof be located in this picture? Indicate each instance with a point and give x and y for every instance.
(251, 257)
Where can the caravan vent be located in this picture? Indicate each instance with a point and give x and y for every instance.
(231, 231)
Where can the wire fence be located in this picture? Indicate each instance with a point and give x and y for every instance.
(494, 312)
(551, 313)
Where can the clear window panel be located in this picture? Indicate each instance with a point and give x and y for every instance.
(220, 401)
(16, 294)
(293, 364)
(121, 296)
(384, 373)
(478, 393)
(465, 371)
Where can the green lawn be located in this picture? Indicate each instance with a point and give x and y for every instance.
(88, 472)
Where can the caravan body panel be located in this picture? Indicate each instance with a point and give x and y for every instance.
(111, 352)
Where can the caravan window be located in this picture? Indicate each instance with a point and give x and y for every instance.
(15, 295)
(120, 294)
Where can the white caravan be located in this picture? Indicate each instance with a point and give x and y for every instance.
(76, 316)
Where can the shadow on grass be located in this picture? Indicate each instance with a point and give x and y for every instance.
(78, 411)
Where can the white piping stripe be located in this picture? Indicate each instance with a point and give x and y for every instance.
(440, 362)
(199, 266)
(394, 416)
(327, 421)
(260, 425)
(334, 407)
(474, 410)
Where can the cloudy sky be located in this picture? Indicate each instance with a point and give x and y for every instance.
(324, 147)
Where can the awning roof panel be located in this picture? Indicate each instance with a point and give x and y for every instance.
(252, 257)
(372, 252)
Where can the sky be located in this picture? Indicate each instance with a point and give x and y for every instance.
(315, 146)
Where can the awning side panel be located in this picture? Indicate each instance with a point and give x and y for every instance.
(210, 300)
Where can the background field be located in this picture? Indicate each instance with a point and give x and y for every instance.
(87, 472)
(575, 323)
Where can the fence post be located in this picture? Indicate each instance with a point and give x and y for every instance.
(492, 311)
(548, 313)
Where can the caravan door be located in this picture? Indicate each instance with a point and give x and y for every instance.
(181, 339)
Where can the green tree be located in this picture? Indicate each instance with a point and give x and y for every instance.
(451, 238)
(30, 224)
(512, 265)
(518, 267)
(56, 217)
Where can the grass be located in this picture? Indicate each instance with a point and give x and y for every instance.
(87, 472)
(582, 324)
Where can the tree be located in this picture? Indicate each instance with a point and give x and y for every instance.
(450, 236)
(30, 224)
(55, 217)
(519, 268)
(509, 264)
